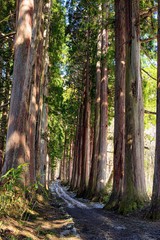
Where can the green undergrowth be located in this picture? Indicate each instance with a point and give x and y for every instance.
(17, 200)
(112, 205)
(129, 205)
(103, 196)
(36, 215)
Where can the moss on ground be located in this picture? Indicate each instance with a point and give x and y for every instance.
(129, 205)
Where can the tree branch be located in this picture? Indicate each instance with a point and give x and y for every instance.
(4, 105)
(148, 12)
(147, 55)
(149, 112)
(148, 39)
(6, 18)
(149, 74)
(2, 35)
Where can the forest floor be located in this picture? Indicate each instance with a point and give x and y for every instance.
(94, 223)
(66, 217)
(47, 222)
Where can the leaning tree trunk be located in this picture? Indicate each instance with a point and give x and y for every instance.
(102, 158)
(119, 120)
(134, 179)
(154, 212)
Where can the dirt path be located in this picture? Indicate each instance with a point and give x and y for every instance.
(97, 224)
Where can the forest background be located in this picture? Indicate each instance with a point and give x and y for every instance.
(64, 93)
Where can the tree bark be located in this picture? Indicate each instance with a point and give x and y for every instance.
(29, 88)
(42, 160)
(16, 147)
(102, 158)
(134, 193)
(4, 113)
(70, 161)
(119, 120)
(64, 160)
(154, 212)
(86, 128)
(94, 162)
(36, 66)
(76, 159)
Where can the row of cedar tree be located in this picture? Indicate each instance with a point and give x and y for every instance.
(87, 171)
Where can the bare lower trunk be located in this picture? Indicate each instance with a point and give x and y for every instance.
(64, 160)
(24, 127)
(35, 67)
(86, 134)
(16, 147)
(70, 161)
(155, 202)
(42, 159)
(102, 158)
(48, 172)
(134, 179)
(119, 120)
(43, 146)
(94, 163)
(74, 178)
(4, 117)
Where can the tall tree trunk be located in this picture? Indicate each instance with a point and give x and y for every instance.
(80, 146)
(24, 130)
(64, 160)
(36, 67)
(94, 163)
(154, 212)
(74, 178)
(42, 159)
(102, 158)
(70, 161)
(4, 109)
(39, 107)
(119, 120)
(91, 146)
(134, 193)
(86, 129)
(16, 147)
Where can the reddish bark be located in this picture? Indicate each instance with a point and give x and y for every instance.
(70, 161)
(119, 121)
(134, 193)
(102, 159)
(86, 133)
(94, 162)
(16, 147)
(75, 155)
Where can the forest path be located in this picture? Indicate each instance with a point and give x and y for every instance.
(94, 223)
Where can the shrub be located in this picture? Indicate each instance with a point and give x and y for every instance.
(12, 193)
